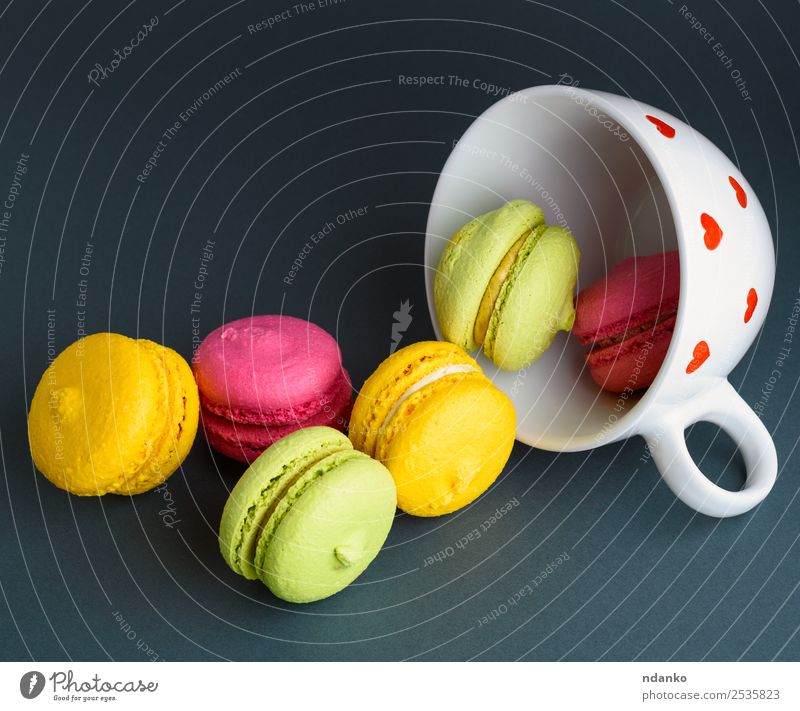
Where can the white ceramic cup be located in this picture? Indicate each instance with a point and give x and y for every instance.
(627, 179)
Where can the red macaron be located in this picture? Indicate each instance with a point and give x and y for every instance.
(263, 377)
(627, 319)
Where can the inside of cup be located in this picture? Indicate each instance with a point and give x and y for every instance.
(588, 175)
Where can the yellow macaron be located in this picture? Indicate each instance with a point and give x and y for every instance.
(113, 415)
(437, 423)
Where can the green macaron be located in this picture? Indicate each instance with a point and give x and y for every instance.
(308, 516)
(505, 282)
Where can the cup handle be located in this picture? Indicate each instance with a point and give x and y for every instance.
(723, 406)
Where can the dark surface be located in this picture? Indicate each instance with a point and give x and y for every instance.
(317, 127)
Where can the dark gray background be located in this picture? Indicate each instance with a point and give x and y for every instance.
(317, 127)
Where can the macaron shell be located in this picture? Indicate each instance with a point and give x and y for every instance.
(393, 377)
(267, 369)
(322, 402)
(447, 443)
(638, 290)
(241, 451)
(95, 414)
(245, 442)
(181, 405)
(536, 301)
(633, 363)
(335, 520)
(255, 495)
(469, 261)
(301, 482)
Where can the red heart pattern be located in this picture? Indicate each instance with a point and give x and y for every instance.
(712, 236)
(713, 232)
(752, 300)
(699, 356)
(741, 195)
(663, 127)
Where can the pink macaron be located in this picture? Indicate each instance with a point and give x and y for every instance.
(262, 377)
(628, 318)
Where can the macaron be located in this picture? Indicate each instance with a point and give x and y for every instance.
(627, 319)
(439, 425)
(308, 516)
(263, 377)
(505, 282)
(113, 415)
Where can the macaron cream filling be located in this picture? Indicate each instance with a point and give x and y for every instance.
(430, 378)
(391, 380)
(294, 491)
(308, 516)
(632, 331)
(505, 283)
(470, 259)
(535, 300)
(261, 511)
(239, 545)
(495, 285)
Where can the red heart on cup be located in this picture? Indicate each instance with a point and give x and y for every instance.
(663, 127)
(752, 300)
(713, 232)
(699, 356)
(741, 195)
